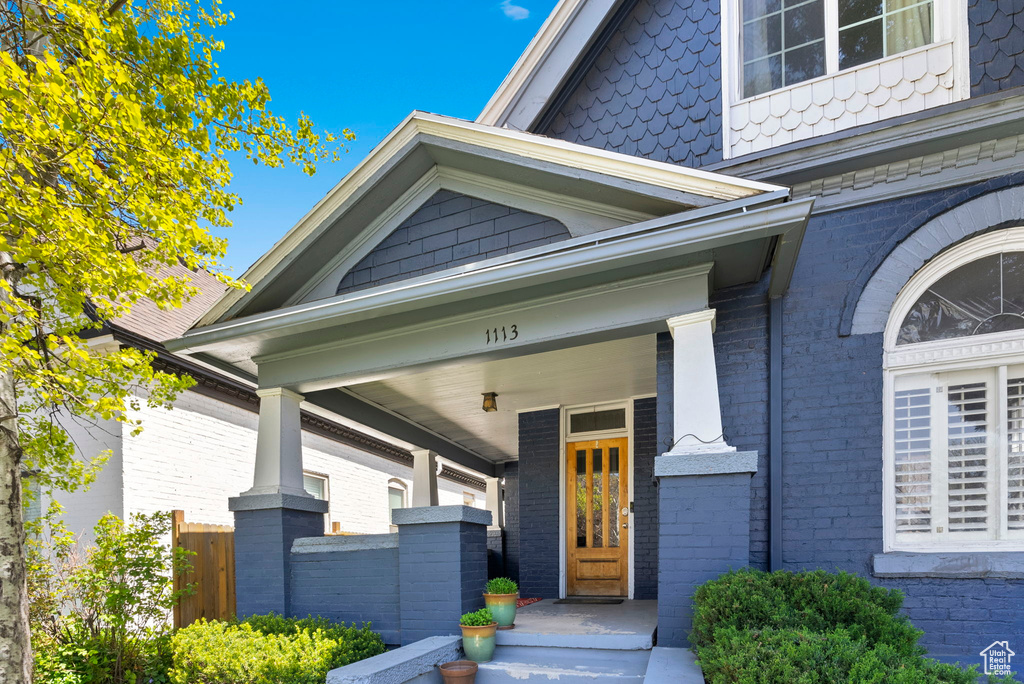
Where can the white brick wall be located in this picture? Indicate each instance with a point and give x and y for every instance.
(201, 453)
(83, 508)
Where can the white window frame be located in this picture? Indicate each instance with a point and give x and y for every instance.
(992, 352)
(951, 25)
(398, 485)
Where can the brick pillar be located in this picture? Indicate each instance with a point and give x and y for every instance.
(442, 567)
(704, 530)
(266, 525)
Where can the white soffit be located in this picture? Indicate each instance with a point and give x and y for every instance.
(547, 62)
(448, 400)
(424, 141)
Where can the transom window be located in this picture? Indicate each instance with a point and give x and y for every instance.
(955, 404)
(785, 42)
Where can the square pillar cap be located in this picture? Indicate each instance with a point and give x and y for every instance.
(262, 502)
(425, 515)
(722, 463)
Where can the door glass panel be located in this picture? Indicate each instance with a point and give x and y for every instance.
(598, 499)
(1015, 455)
(581, 498)
(968, 457)
(613, 497)
(612, 419)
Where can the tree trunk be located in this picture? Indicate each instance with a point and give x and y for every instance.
(15, 647)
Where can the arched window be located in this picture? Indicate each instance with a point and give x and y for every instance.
(954, 410)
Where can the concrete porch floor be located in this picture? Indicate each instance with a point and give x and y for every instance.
(628, 626)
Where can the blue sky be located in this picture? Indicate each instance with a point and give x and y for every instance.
(365, 66)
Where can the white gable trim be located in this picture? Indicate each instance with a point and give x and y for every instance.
(579, 216)
(547, 62)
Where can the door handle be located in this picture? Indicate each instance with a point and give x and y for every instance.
(625, 525)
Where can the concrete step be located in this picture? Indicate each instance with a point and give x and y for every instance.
(514, 664)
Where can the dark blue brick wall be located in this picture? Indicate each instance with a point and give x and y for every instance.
(645, 499)
(512, 520)
(450, 230)
(833, 429)
(496, 554)
(442, 573)
(263, 543)
(539, 501)
(997, 45)
(704, 532)
(349, 586)
(741, 357)
(654, 89)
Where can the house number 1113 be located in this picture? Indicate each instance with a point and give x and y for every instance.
(502, 334)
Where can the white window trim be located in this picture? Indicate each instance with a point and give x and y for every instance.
(958, 354)
(951, 26)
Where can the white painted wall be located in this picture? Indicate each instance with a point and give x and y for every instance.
(82, 509)
(202, 452)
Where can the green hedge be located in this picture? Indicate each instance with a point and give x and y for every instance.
(753, 627)
(267, 650)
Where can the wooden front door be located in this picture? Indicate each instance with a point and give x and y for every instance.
(597, 515)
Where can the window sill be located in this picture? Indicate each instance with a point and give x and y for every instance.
(973, 565)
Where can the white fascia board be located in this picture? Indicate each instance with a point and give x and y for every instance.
(635, 171)
(546, 63)
(652, 240)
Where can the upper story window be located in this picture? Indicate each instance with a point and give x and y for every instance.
(796, 69)
(784, 41)
(954, 418)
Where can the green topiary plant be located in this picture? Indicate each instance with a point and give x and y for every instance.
(502, 585)
(480, 618)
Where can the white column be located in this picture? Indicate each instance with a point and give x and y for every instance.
(279, 444)
(494, 502)
(697, 413)
(424, 478)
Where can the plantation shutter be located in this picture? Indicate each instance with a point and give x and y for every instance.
(912, 455)
(969, 463)
(1015, 452)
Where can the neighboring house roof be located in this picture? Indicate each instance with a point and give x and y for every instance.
(573, 183)
(548, 62)
(153, 323)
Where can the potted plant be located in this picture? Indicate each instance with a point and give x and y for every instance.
(459, 672)
(478, 630)
(500, 597)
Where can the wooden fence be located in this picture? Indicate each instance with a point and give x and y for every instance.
(213, 570)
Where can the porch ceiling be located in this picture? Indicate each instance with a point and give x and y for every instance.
(448, 401)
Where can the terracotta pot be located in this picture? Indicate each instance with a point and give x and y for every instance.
(503, 608)
(478, 642)
(459, 672)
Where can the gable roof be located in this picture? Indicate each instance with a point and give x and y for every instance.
(548, 62)
(426, 149)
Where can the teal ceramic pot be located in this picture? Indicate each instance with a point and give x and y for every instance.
(478, 642)
(503, 608)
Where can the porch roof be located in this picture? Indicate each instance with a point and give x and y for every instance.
(588, 189)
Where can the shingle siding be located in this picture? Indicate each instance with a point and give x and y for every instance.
(997, 45)
(450, 229)
(539, 503)
(654, 89)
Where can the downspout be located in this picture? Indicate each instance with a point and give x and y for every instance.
(775, 433)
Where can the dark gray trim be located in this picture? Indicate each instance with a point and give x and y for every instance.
(351, 406)
(775, 314)
(977, 565)
(902, 231)
(954, 125)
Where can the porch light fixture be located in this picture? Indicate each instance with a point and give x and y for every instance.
(490, 402)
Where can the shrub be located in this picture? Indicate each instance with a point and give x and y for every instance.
(359, 643)
(752, 627)
(814, 601)
(799, 656)
(502, 585)
(100, 612)
(267, 650)
(480, 618)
